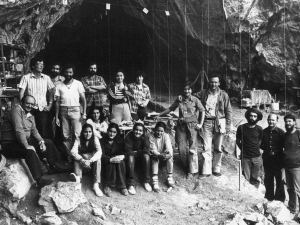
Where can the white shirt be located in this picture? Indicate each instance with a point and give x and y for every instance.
(69, 94)
(37, 87)
(211, 104)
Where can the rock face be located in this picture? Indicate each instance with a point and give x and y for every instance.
(249, 42)
(14, 184)
(278, 211)
(63, 196)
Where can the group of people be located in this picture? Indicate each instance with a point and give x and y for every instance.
(279, 150)
(95, 143)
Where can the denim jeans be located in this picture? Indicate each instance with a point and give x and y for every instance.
(292, 176)
(251, 169)
(155, 160)
(188, 141)
(211, 132)
(96, 168)
(71, 124)
(144, 160)
(120, 112)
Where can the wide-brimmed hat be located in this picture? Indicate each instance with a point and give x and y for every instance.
(256, 111)
(2, 162)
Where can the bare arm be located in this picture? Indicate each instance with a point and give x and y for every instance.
(57, 108)
(83, 100)
(21, 93)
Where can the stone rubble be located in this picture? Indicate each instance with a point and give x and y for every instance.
(65, 196)
(275, 213)
(49, 218)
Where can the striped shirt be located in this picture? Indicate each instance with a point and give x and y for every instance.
(119, 92)
(37, 87)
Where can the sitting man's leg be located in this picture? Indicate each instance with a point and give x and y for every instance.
(146, 165)
(131, 165)
(36, 167)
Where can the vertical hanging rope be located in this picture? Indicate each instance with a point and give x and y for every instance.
(185, 38)
(249, 57)
(109, 68)
(101, 44)
(284, 53)
(168, 36)
(225, 47)
(153, 46)
(131, 51)
(208, 32)
(171, 50)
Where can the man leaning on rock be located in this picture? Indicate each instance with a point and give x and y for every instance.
(21, 139)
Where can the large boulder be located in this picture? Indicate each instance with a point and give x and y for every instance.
(63, 196)
(278, 211)
(15, 182)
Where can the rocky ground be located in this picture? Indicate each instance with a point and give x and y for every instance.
(213, 200)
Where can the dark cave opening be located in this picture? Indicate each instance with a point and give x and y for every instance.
(114, 40)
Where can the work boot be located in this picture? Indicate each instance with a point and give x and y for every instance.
(44, 181)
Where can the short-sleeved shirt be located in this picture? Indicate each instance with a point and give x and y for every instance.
(37, 87)
(93, 81)
(251, 138)
(187, 106)
(69, 94)
(56, 81)
(140, 95)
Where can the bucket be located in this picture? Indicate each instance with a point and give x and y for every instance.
(275, 106)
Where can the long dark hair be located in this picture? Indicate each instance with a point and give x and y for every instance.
(91, 145)
(114, 125)
(100, 108)
(139, 125)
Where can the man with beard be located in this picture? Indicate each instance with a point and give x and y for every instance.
(56, 79)
(291, 161)
(37, 84)
(94, 86)
(248, 139)
(21, 139)
(191, 117)
(68, 94)
(217, 121)
(272, 145)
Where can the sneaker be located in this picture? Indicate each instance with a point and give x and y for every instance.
(107, 191)
(97, 190)
(147, 187)
(124, 192)
(217, 174)
(171, 182)
(44, 181)
(73, 177)
(203, 176)
(131, 190)
(189, 176)
(156, 188)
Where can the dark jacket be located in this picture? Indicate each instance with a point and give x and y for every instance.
(223, 106)
(110, 151)
(141, 146)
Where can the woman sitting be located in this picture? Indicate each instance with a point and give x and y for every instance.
(137, 147)
(97, 120)
(87, 155)
(113, 160)
(161, 151)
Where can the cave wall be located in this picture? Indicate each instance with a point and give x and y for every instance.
(252, 43)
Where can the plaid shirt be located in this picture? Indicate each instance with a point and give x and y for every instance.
(90, 97)
(139, 96)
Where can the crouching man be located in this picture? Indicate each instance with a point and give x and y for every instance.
(21, 139)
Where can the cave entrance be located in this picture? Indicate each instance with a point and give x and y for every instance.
(113, 40)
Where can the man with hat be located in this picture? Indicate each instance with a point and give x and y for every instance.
(248, 139)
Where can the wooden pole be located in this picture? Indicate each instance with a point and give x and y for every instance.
(3, 64)
(240, 174)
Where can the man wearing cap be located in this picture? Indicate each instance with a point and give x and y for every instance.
(217, 122)
(248, 139)
(272, 145)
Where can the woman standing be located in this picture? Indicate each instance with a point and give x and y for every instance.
(161, 151)
(118, 95)
(87, 155)
(113, 160)
(141, 96)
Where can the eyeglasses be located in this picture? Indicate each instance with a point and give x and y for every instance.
(29, 104)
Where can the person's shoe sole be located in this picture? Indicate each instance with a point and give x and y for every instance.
(216, 174)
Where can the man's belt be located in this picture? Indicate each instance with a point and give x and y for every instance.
(210, 118)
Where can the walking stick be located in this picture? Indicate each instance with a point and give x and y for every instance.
(238, 156)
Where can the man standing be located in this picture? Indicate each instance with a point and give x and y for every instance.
(94, 86)
(141, 96)
(21, 139)
(248, 139)
(37, 84)
(217, 121)
(291, 161)
(272, 145)
(68, 94)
